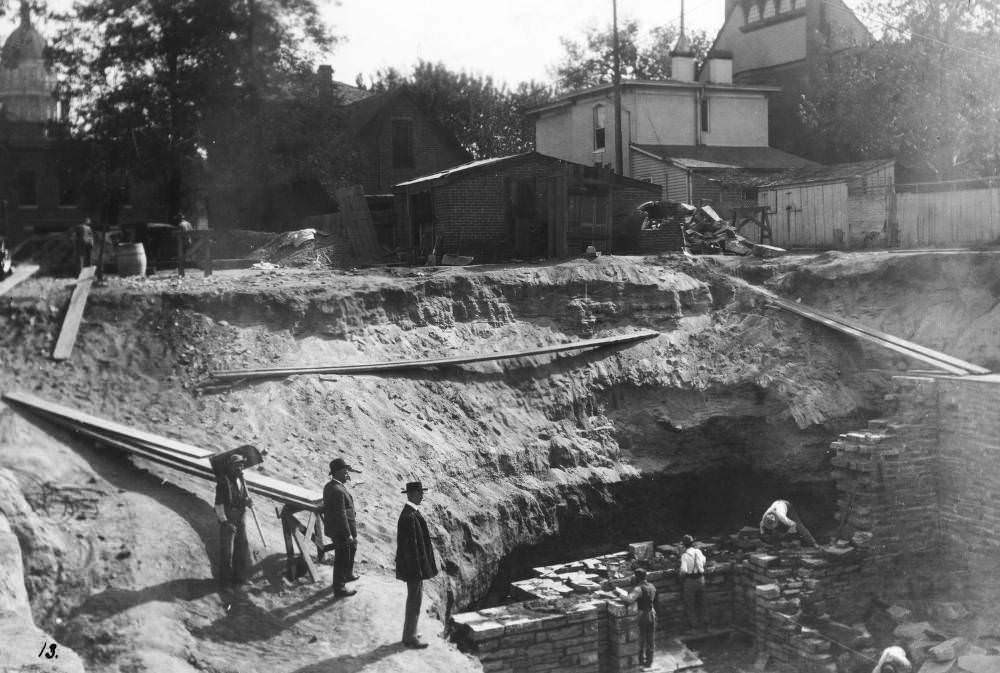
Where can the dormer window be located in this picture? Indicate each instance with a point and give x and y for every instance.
(785, 6)
(800, 4)
(599, 126)
(768, 9)
(753, 14)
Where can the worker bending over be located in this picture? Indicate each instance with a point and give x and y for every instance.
(781, 519)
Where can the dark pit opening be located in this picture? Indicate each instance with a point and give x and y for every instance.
(662, 508)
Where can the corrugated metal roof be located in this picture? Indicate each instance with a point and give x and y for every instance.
(714, 157)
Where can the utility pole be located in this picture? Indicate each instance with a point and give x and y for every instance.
(618, 122)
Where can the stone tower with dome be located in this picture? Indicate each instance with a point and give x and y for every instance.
(26, 85)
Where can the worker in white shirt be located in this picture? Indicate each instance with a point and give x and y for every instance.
(893, 660)
(780, 519)
(692, 575)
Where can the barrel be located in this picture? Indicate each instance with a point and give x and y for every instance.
(131, 258)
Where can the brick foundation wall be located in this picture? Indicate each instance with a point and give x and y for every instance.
(969, 441)
(666, 239)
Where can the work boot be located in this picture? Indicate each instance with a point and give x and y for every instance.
(415, 643)
(343, 592)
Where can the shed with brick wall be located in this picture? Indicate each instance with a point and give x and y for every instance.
(521, 206)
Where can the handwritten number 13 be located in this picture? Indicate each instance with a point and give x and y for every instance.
(51, 654)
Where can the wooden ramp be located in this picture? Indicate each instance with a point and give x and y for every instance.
(71, 323)
(21, 273)
(162, 450)
(402, 365)
(932, 357)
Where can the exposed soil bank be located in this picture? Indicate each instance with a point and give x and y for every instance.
(515, 452)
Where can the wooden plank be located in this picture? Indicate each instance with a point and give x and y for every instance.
(21, 273)
(304, 550)
(365, 368)
(71, 323)
(155, 447)
(894, 344)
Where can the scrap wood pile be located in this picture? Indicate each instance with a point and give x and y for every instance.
(705, 233)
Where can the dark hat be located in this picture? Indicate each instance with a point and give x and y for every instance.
(414, 486)
(237, 458)
(340, 464)
(687, 540)
(640, 573)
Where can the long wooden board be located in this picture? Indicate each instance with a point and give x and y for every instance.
(22, 272)
(907, 348)
(172, 453)
(399, 365)
(71, 323)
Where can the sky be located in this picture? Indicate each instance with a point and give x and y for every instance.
(511, 40)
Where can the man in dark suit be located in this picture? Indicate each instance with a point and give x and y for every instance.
(231, 503)
(340, 522)
(414, 560)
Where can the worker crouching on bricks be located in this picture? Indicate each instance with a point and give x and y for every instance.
(893, 660)
(231, 503)
(780, 520)
(644, 596)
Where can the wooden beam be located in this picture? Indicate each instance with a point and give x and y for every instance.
(907, 348)
(21, 273)
(71, 323)
(169, 452)
(304, 550)
(400, 365)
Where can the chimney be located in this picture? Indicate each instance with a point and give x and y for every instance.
(729, 9)
(682, 61)
(718, 68)
(324, 81)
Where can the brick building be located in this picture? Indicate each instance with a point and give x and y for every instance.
(783, 43)
(399, 140)
(525, 206)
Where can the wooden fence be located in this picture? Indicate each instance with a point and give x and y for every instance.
(956, 217)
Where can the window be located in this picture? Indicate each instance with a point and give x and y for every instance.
(704, 115)
(749, 194)
(800, 4)
(600, 112)
(768, 9)
(753, 14)
(785, 6)
(67, 187)
(402, 143)
(27, 194)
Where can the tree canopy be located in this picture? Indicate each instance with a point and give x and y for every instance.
(487, 118)
(166, 85)
(590, 62)
(924, 93)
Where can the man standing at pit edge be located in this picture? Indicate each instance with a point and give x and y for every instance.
(414, 560)
(692, 574)
(231, 503)
(341, 526)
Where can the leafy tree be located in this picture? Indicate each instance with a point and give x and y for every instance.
(590, 62)
(924, 93)
(487, 119)
(154, 78)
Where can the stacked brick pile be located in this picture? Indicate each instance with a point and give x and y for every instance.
(792, 595)
(514, 639)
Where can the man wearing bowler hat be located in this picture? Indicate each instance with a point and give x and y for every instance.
(231, 503)
(339, 520)
(414, 559)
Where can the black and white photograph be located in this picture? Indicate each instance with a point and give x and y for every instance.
(449, 336)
